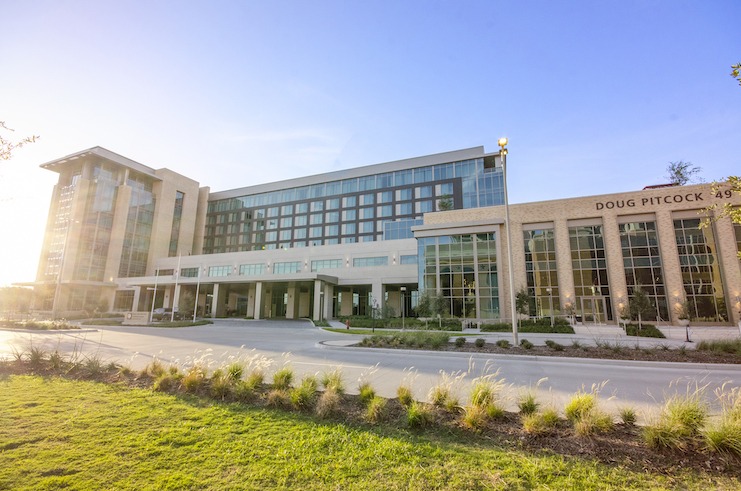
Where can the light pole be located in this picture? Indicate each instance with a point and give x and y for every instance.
(502, 142)
(403, 290)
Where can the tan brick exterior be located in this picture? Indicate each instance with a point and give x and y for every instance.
(660, 205)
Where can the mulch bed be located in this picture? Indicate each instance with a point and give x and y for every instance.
(635, 352)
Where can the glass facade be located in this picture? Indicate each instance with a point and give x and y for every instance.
(177, 216)
(591, 284)
(61, 229)
(541, 272)
(698, 263)
(464, 269)
(138, 228)
(361, 207)
(93, 243)
(642, 263)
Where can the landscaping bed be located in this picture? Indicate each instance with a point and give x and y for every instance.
(558, 457)
(705, 352)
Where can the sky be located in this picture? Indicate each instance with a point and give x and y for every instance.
(595, 97)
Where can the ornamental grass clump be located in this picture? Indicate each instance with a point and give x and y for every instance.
(723, 433)
(679, 422)
(583, 412)
(404, 394)
(485, 403)
(333, 381)
(304, 396)
(283, 378)
(419, 415)
(445, 393)
(540, 423)
(329, 403)
(366, 392)
(194, 378)
(628, 416)
(376, 410)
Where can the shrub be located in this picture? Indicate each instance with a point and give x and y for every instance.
(243, 392)
(554, 345)
(282, 378)
(679, 422)
(404, 393)
(56, 360)
(480, 342)
(418, 415)
(721, 346)
(94, 366)
(525, 344)
(367, 392)
(165, 383)
(154, 369)
(648, 331)
(503, 343)
(36, 357)
(460, 341)
(376, 410)
(496, 327)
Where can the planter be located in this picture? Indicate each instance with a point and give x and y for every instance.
(683, 322)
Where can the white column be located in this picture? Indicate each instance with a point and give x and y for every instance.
(258, 300)
(316, 313)
(215, 301)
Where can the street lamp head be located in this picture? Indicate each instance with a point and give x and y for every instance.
(502, 142)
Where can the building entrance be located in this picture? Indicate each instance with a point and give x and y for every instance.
(593, 310)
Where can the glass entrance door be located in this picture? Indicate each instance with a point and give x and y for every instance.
(593, 310)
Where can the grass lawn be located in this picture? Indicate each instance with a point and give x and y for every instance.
(57, 433)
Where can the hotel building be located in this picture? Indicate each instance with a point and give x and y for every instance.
(134, 238)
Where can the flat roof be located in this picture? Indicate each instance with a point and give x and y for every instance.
(101, 152)
(438, 158)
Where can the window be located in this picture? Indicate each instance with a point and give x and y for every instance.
(317, 206)
(349, 215)
(251, 269)
(367, 199)
(366, 213)
(315, 232)
(301, 221)
(286, 210)
(411, 259)
(302, 208)
(385, 211)
(333, 203)
(404, 209)
(325, 264)
(366, 227)
(287, 268)
(273, 212)
(332, 216)
(423, 206)
(364, 262)
(403, 194)
(541, 272)
(315, 219)
(349, 202)
(348, 229)
(299, 233)
(286, 222)
(219, 270)
(189, 272)
(385, 197)
(271, 236)
(331, 230)
(285, 235)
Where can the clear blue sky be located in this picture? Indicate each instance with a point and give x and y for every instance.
(595, 97)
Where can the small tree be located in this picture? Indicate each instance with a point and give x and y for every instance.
(522, 302)
(186, 301)
(725, 189)
(736, 72)
(445, 203)
(681, 173)
(102, 307)
(640, 305)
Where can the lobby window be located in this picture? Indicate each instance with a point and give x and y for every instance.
(698, 263)
(189, 272)
(590, 273)
(123, 301)
(642, 264)
(541, 272)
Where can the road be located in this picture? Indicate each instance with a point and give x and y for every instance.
(641, 385)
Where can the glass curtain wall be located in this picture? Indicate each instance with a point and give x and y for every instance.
(642, 263)
(138, 228)
(361, 206)
(590, 271)
(541, 271)
(464, 269)
(698, 262)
